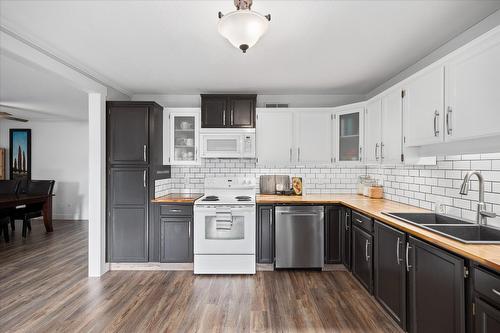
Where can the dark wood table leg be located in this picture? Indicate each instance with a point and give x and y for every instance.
(47, 214)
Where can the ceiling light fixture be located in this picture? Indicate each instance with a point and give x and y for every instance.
(243, 27)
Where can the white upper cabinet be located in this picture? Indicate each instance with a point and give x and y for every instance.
(391, 146)
(274, 136)
(423, 107)
(314, 136)
(473, 90)
(384, 128)
(349, 133)
(373, 130)
(184, 136)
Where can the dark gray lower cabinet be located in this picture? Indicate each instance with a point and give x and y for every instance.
(346, 237)
(176, 233)
(436, 289)
(362, 262)
(487, 317)
(176, 243)
(265, 235)
(333, 237)
(128, 214)
(390, 271)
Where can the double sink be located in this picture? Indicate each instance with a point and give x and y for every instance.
(461, 230)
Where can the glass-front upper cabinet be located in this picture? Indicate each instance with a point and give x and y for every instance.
(349, 134)
(184, 137)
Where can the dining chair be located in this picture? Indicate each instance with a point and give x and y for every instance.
(34, 187)
(4, 224)
(9, 187)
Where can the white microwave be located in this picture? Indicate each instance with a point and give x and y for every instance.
(227, 142)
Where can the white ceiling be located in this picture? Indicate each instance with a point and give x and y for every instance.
(173, 47)
(29, 92)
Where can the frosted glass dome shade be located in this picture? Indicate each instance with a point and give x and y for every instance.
(243, 28)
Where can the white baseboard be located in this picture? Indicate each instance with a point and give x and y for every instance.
(151, 266)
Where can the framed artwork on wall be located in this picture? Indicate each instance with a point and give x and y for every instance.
(20, 153)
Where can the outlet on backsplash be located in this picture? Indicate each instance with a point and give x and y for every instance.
(439, 208)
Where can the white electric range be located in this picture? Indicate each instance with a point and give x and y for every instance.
(224, 227)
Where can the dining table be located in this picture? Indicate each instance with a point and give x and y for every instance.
(13, 201)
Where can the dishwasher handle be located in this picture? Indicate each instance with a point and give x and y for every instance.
(300, 213)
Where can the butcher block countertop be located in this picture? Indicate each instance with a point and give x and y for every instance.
(487, 255)
(178, 198)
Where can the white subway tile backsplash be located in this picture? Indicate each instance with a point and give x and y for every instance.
(442, 184)
(421, 186)
(481, 165)
(461, 165)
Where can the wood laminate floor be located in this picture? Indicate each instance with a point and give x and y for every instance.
(44, 288)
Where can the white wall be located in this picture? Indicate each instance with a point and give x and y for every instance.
(460, 40)
(59, 151)
(181, 101)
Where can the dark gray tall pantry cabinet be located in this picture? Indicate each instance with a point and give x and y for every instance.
(134, 159)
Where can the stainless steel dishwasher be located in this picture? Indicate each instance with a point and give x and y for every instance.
(299, 236)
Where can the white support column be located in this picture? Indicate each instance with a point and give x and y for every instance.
(97, 185)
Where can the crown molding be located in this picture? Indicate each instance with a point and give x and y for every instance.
(7, 28)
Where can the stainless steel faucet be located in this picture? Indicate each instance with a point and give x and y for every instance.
(482, 214)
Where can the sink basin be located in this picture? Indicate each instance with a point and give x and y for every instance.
(475, 234)
(461, 230)
(427, 218)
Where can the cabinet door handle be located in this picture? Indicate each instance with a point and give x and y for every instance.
(360, 153)
(189, 229)
(449, 128)
(359, 221)
(290, 154)
(298, 154)
(144, 178)
(496, 292)
(271, 218)
(376, 151)
(382, 150)
(408, 266)
(436, 129)
(174, 210)
(144, 153)
(232, 117)
(366, 250)
(397, 251)
(224, 117)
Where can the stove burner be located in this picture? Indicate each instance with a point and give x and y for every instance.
(211, 198)
(243, 198)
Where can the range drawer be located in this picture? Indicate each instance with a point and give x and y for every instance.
(487, 284)
(176, 210)
(362, 221)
